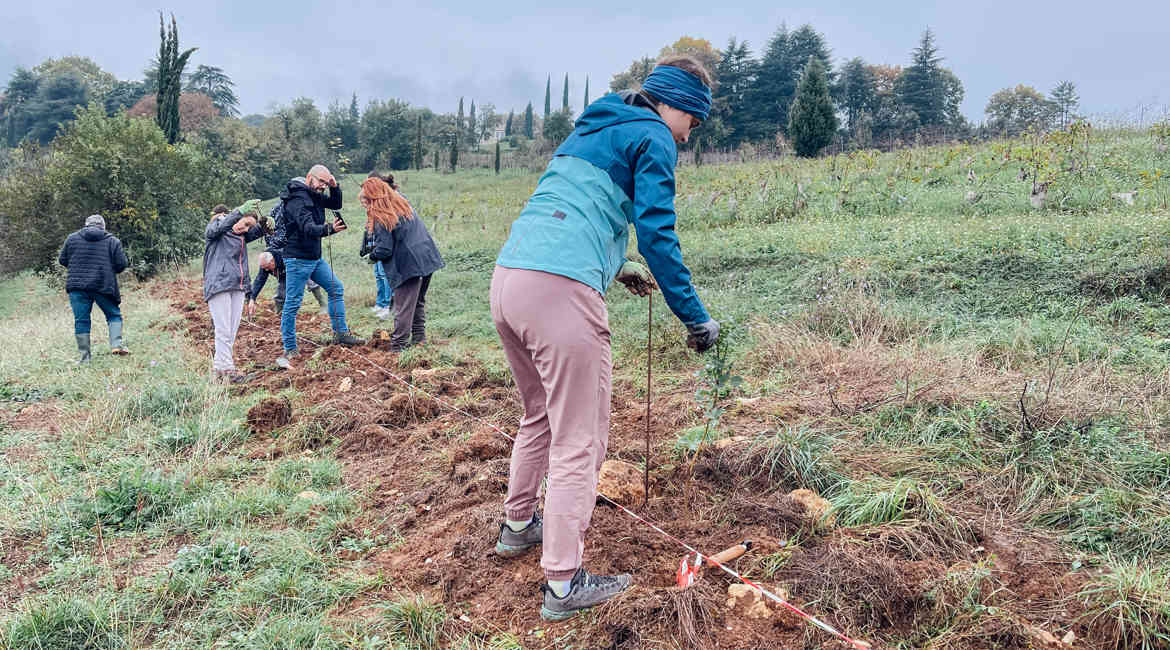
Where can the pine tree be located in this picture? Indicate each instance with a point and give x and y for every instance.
(497, 157)
(528, 133)
(418, 143)
(1064, 95)
(349, 134)
(436, 157)
(508, 125)
(170, 78)
(586, 91)
(812, 121)
(548, 97)
(922, 85)
(858, 91)
(736, 72)
(766, 94)
(786, 57)
(565, 96)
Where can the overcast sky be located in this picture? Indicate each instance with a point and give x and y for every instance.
(431, 53)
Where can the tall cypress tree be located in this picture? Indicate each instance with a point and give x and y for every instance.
(454, 150)
(472, 141)
(508, 125)
(528, 122)
(459, 121)
(497, 157)
(170, 78)
(565, 96)
(548, 97)
(812, 122)
(586, 91)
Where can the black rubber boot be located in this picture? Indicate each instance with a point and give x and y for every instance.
(83, 347)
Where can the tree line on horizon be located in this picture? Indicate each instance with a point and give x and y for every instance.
(70, 127)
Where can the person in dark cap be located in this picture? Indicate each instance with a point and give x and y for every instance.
(94, 258)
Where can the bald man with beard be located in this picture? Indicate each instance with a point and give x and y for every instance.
(304, 203)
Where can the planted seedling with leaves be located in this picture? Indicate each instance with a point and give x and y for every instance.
(716, 382)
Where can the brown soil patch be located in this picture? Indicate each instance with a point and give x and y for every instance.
(438, 479)
(270, 414)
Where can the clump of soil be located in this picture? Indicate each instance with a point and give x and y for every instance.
(484, 445)
(622, 482)
(818, 509)
(270, 414)
(404, 409)
(370, 437)
(638, 615)
(380, 340)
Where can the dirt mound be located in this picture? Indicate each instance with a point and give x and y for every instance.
(270, 414)
(818, 509)
(405, 409)
(483, 445)
(622, 482)
(638, 616)
(370, 437)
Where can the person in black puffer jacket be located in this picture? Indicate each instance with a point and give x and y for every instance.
(94, 259)
(408, 254)
(303, 206)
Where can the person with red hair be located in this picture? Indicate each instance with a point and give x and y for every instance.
(408, 255)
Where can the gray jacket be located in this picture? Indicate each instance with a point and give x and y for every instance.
(225, 256)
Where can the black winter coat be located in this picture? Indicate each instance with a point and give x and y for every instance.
(304, 219)
(406, 252)
(94, 258)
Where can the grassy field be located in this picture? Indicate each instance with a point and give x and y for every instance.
(979, 388)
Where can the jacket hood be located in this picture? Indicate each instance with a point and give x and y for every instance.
(611, 110)
(93, 233)
(298, 184)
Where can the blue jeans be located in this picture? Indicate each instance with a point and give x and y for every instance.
(296, 274)
(385, 291)
(82, 304)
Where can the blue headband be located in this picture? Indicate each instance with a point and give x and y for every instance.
(678, 88)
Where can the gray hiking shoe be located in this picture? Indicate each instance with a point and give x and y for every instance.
(347, 339)
(512, 543)
(284, 361)
(585, 591)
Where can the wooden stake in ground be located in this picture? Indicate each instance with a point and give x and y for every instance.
(649, 367)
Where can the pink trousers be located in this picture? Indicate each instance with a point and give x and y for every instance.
(555, 334)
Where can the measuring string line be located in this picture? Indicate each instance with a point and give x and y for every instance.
(859, 645)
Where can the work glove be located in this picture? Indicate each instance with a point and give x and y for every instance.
(637, 278)
(702, 336)
(251, 206)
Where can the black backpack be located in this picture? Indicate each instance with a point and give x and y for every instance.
(279, 235)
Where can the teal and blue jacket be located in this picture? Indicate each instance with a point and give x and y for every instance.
(616, 169)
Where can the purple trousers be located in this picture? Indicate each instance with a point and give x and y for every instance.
(555, 334)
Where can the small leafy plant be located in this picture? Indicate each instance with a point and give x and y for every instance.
(220, 556)
(717, 380)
